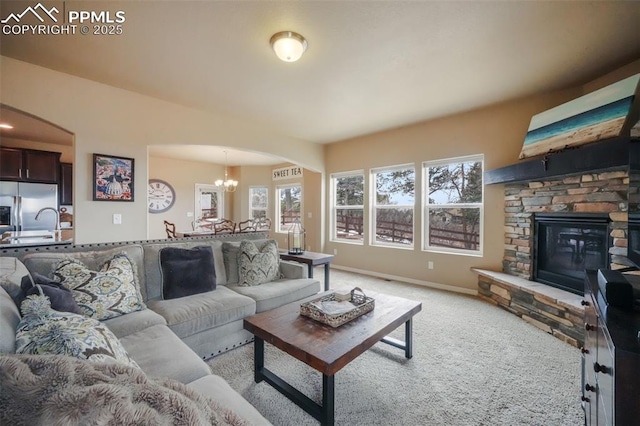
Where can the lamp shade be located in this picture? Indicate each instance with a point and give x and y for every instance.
(296, 238)
(289, 46)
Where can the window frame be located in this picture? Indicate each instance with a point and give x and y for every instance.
(334, 207)
(251, 207)
(425, 206)
(208, 187)
(278, 215)
(373, 206)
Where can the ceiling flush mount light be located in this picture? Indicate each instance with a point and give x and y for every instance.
(227, 185)
(289, 46)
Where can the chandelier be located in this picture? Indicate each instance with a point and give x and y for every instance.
(226, 185)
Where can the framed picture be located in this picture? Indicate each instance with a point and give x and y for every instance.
(112, 178)
(606, 113)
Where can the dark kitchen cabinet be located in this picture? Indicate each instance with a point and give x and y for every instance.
(29, 165)
(66, 187)
(10, 163)
(610, 360)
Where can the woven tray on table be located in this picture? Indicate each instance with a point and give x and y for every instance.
(336, 309)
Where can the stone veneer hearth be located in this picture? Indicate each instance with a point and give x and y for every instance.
(588, 193)
(555, 311)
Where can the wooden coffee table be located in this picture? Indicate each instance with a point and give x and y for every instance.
(325, 348)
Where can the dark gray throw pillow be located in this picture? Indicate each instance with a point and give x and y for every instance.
(187, 271)
(61, 297)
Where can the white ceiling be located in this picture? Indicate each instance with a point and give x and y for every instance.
(369, 65)
(30, 128)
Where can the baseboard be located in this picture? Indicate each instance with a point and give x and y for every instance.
(407, 280)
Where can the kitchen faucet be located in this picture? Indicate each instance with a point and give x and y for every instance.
(57, 217)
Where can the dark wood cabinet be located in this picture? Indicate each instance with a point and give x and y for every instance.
(610, 360)
(29, 165)
(66, 186)
(10, 163)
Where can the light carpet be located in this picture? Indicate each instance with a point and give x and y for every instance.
(473, 364)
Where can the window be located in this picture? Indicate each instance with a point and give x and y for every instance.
(208, 202)
(393, 205)
(348, 206)
(289, 199)
(258, 202)
(453, 205)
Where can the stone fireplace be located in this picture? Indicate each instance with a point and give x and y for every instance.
(601, 195)
(604, 193)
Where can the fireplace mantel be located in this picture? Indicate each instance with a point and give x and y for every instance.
(612, 154)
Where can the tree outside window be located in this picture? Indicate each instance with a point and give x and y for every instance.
(393, 206)
(348, 206)
(290, 206)
(453, 205)
(258, 202)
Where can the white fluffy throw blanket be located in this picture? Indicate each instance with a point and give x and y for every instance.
(60, 390)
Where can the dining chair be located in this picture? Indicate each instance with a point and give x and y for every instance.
(246, 226)
(224, 226)
(262, 224)
(171, 229)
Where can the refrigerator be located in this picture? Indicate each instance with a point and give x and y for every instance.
(20, 203)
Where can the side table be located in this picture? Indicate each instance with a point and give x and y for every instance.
(311, 259)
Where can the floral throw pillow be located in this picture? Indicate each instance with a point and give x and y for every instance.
(45, 331)
(104, 294)
(257, 267)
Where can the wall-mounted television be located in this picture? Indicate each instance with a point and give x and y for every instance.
(633, 234)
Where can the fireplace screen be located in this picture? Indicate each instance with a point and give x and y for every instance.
(568, 245)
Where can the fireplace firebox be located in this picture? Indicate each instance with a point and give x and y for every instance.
(568, 244)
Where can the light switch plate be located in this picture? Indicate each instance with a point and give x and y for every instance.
(117, 219)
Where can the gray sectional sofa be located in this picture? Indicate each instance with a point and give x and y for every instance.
(170, 338)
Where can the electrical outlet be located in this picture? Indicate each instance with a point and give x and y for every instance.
(117, 219)
(189, 214)
(309, 215)
(430, 265)
(335, 251)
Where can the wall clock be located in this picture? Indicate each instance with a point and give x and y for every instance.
(160, 196)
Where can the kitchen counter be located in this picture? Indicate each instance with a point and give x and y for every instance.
(31, 239)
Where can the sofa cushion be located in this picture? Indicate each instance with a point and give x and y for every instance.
(61, 298)
(45, 331)
(11, 273)
(258, 266)
(216, 388)
(230, 252)
(153, 272)
(44, 263)
(187, 271)
(192, 314)
(105, 294)
(9, 320)
(279, 292)
(160, 353)
(125, 325)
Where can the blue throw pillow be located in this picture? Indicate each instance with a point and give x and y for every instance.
(187, 271)
(61, 297)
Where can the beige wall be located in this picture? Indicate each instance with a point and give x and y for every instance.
(497, 132)
(182, 176)
(311, 201)
(113, 121)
